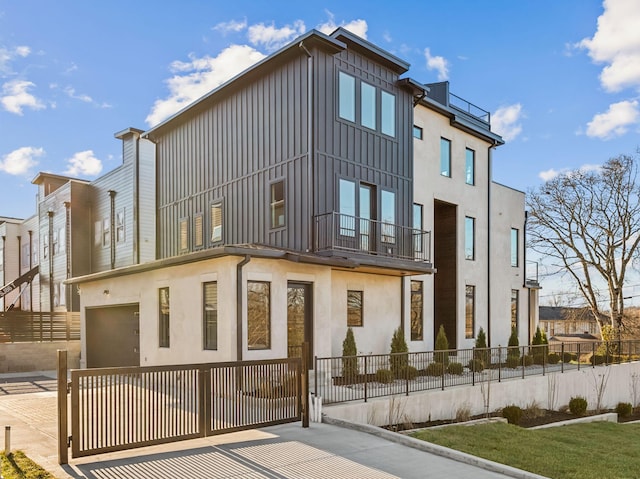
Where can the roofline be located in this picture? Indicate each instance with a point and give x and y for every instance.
(127, 131)
(43, 174)
(325, 40)
(399, 65)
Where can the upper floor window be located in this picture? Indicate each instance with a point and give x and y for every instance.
(368, 105)
(417, 132)
(258, 315)
(45, 246)
(470, 167)
(210, 315)
(62, 239)
(354, 308)
(163, 317)
(120, 236)
(277, 204)
(388, 113)
(26, 255)
(106, 232)
(417, 311)
(347, 108)
(54, 249)
(469, 238)
(216, 222)
(445, 157)
(184, 234)
(347, 207)
(388, 215)
(514, 247)
(198, 238)
(418, 226)
(34, 253)
(97, 233)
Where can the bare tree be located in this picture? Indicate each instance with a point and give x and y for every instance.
(587, 223)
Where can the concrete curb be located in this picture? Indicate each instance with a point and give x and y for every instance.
(434, 449)
(606, 417)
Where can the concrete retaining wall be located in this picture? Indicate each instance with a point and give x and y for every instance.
(550, 392)
(27, 357)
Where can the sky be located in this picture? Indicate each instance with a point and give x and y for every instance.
(560, 78)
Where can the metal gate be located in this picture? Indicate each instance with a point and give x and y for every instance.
(114, 409)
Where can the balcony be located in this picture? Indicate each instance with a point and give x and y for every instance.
(370, 238)
(531, 275)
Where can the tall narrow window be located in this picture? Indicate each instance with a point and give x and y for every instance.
(388, 216)
(514, 309)
(34, 253)
(277, 204)
(55, 248)
(62, 239)
(388, 113)
(163, 317)
(210, 315)
(120, 231)
(198, 233)
(216, 222)
(26, 253)
(347, 86)
(354, 308)
(97, 233)
(417, 311)
(347, 207)
(45, 246)
(470, 166)
(470, 312)
(258, 315)
(106, 232)
(514, 247)
(418, 226)
(469, 238)
(368, 105)
(184, 234)
(445, 157)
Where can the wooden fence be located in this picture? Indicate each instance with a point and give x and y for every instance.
(34, 327)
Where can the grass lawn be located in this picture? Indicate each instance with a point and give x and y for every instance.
(19, 466)
(580, 451)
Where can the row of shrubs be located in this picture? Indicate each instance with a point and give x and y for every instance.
(577, 407)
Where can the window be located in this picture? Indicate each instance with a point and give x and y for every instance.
(120, 236)
(277, 204)
(417, 308)
(347, 108)
(445, 157)
(354, 308)
(184, 234)
(35, 253)
(163, 317)
(417, 132)
(514, 309)
(26, 254)
(388, 112)
(388, 216)
(62, 239)
(54, 248)
(470, 312)
(418, 239)
(210, 315)
(347, 200)
(368, 105)
(106, 228)
(514, 247)
(45, 246)
(97, 233)
(469, 238)
(216, 222)
(470, 166)
(198, 233)
(258, 315)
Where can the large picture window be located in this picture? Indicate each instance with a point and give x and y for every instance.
(470, 312)
(210, 315)
(354, 308)
(163, 317)
(258, 315)
(417, 311)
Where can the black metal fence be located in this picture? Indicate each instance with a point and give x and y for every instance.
(38, 327)
(351, 378)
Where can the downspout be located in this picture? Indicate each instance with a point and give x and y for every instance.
(239, 283)
(136, 200)
(524, 270)
(310, 149)
(67, 252)
(50, 252)
(30, 267)
(402, 307)
(112, 229)
(19, 267)
(489, 184)
(4, 265)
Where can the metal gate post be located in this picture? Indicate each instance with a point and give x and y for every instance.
(304, 393)
(63, 416)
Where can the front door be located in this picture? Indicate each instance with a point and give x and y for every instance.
(299, 318)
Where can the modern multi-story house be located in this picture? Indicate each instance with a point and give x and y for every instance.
(289, 204)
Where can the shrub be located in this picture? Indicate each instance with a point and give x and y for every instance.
(513, 362)
(475, 365)
(514, 345)
(512, 414)
(539, 350)
(624, 409)
(578, 406)
(349, 361)
(463, 413)
(528, 360)
(435, 369)
(455, 368)
(384, 376)
(442, 344)
(409, 372)
(567, 357)
(481, 344)
(533, 410)
(399, 349)
(553, 358)
(597, 359)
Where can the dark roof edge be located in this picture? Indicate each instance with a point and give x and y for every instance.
(398, 64)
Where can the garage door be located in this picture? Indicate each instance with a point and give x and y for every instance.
(113, 336)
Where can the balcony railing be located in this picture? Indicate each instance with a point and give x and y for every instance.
(336, 231)
(531, 272)
(469, 108)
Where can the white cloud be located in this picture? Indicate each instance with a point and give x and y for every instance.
(201, 76)
(15, 97)
(549, 174)
(83, 97)
(615, 121)
(84, 163)
(7, 55)
(23, 51)
(552, 173)
(273, 38)
(616, 43)
(505, 121)
(20, 161)
(387, 37)
(438, 63)
(231, 26)
(357, 27)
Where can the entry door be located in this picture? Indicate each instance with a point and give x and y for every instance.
(367, 213)
(113, 336)
(299, 318)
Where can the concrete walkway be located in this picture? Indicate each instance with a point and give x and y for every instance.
(286, 451)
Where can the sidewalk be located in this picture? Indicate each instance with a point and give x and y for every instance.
(285, 451)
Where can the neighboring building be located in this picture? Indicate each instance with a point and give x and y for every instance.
(565, 323)
(291, 203)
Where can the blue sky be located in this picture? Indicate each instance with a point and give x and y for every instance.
(560, 78)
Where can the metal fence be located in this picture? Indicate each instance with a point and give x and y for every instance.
(114, 409)
(352, 378)
(38, 327)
